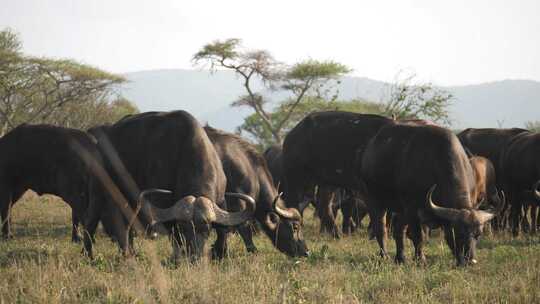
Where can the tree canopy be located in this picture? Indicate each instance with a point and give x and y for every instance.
(308, 78)
(254, 130)
(416, 100)
(38, 90)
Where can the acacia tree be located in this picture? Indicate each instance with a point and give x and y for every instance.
(303, 79)
(253, 127)
(411, 100)
(94, 112)
(33, 89)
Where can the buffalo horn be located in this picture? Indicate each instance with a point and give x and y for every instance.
(182, 210)
(242, 196)
(226, 218)
(288, 213)
(448, 214)
(483, 216)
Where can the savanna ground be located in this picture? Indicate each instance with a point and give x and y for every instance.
(42, 265)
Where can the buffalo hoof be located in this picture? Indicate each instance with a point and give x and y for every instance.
(383, 254)
(7, 237)
(76, 239)
(87, 254)
(399, 259)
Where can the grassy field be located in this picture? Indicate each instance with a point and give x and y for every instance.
(42, 265)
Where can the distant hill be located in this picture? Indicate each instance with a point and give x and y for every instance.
(208, 96)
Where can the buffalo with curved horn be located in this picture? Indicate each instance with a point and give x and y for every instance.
(398, 165)
(165, 150)
(247, 172)
(322, 150)
(190, 208)
(512, 153)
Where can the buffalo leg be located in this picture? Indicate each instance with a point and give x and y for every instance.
(74, 227)
(246, 232)
(347, 212)
(378, 226)
(417, 236)
(460, 249)
(398, 232)
(501, 220)
(450, 240)
(6, 221)
(118, 229)
(219, 249)
(359, 213)
(515, 214)
(525, 225)
(90, 222)
(538, 217)
(177, 242)
(534, 217)
(505, 217)
(325, 197)
(5, 210)
(89, 230)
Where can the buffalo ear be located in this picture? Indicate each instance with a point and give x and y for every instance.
(272, 220)
(483, 216)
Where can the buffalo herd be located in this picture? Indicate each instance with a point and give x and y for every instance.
(163, 173)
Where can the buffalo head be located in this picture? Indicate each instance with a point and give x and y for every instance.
(284, 227)
(467, 226)
(194, 217)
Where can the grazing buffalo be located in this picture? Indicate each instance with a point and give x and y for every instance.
(521, 176)
(489, 143)
(485, 190)
(492, 144)
(322, 149)
(166, 150)
(247, 173)
(401, 166)
(325, 198)
(40, 158)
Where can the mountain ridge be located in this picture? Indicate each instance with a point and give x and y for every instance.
(207, 95)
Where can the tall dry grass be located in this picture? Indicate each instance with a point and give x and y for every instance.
(41, 265)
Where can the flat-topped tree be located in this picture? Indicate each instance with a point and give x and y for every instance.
(253, 126)
(300, 80)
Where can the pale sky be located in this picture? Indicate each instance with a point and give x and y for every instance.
(447, 42)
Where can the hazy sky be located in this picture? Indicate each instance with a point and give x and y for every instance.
(448, 42)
